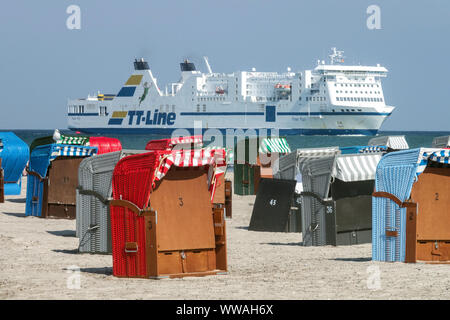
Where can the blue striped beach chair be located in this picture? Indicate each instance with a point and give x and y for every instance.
(398, 173)
(41, 160)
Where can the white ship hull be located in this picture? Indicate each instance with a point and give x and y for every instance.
(287, 122)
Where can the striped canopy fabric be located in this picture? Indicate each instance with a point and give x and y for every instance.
(317, 152)
(270, 145)
(229, 152)
(363, 149)
(74, 140)
(309, 154)
(215, 158)
(185, 140)
(72, 151)
(69, 139)
(393, 142)
(373, 149)
(439, 156)
(357, 167)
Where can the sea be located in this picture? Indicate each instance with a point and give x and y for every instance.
(415, 139)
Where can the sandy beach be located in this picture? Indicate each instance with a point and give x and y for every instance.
(37, 255)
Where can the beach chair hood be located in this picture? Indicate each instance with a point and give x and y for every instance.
(15, 155)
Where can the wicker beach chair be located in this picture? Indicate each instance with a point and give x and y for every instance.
(162, 218)
(53, 178)
(410, 206)
(93, 227)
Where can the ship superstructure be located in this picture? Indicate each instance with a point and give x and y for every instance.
(330, 99)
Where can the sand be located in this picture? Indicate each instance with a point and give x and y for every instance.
(35, 255)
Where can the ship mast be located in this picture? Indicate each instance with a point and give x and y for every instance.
(207, 64)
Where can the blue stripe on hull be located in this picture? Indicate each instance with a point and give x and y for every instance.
(87, 114)
(350, 113)
(168, 131)
(262, 114)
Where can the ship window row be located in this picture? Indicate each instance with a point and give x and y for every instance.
(315, 99)
(356, 85)
(366, 92)
(212, 99)
(359, 99)
(261, 86)
(76, 109)
(349, 110)
(167, 108)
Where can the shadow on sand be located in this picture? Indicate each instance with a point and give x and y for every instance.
(105, 270)
(73, 251)
(15, 214)
(63, 233)
(21, 200)
(353, 259)
(284, 244)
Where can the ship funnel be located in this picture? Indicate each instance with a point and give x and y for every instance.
(187, 66)
(140, 64)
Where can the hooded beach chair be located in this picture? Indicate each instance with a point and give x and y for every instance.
(254, 158)
(93, 225)
(393, 143)
(411, 206)
(53, 178)
(162, 218)
(336, 197)
(289, 169)
(2, 186)
(246, 171)
(270, 149)
(15, 155)
(441, 142)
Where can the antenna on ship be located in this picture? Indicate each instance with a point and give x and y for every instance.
(207, 64)
(336, 56)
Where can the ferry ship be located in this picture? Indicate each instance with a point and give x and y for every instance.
(331, 99)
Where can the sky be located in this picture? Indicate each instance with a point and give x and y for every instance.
(43, 63)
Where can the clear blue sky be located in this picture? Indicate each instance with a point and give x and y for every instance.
(42, 63)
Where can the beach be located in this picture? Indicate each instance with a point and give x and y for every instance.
(39, 260)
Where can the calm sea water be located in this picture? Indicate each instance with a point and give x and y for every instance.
(415, 139)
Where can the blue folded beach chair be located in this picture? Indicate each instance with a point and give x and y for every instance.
(40, 160)
(15, 154)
